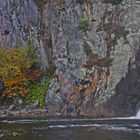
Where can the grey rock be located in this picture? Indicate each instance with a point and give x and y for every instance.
(11, 107)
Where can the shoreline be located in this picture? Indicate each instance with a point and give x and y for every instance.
(42, 112)
(24, 113)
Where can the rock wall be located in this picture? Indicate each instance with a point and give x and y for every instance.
(94, 45)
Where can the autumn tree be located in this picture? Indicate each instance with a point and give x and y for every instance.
(19, 67)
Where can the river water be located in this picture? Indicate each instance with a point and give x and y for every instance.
(70, 129)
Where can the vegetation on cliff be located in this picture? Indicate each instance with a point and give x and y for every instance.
(84, 24)
(20, 75)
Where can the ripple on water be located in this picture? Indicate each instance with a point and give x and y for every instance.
(39, 128)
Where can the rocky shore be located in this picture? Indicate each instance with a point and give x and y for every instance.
(24, 113)
(45, 112)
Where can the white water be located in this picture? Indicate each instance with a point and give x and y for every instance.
(138, 114)
(68, 120)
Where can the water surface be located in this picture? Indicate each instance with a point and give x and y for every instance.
(70, 129)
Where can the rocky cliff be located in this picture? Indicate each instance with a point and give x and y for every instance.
(94, 45)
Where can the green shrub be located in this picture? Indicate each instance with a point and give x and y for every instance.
(84, 24)
(38, 91)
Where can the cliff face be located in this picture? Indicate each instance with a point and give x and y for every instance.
(94, 45)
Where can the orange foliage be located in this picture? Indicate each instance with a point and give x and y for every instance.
(16, 70)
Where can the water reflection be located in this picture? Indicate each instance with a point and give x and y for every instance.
(70, 130)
